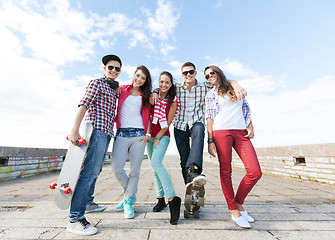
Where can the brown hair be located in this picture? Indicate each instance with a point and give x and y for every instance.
(188, 64)
(172, 91)
(146, 87)
(225, 87)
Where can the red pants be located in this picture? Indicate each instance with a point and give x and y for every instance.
(225, 140)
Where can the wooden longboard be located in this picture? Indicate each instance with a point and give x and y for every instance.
(71, 168)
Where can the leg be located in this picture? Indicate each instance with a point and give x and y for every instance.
(136, 152)
(93, 162)
(223, 143)
(164, 182)
(158, 185)
(196, 152)
(246, 152)
(183, 145)
(119, 158)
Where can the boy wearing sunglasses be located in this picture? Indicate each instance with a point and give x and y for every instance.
(99, 104)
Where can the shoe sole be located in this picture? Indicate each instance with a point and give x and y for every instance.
(96, 210)
(80, 232)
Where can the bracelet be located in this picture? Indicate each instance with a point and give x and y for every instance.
(158, 138)
(155, 92)
(210, 140)
(148, 134)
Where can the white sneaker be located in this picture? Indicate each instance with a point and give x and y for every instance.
(200, 180)
(82, 227)
(241, 221)
(246, 216)
(94, 208)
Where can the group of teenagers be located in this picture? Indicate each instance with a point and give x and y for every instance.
(143, 117)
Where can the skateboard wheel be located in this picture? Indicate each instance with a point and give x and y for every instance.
(82, 141)
(186, 214)
(53, 185)
(67, 190)
(196, 214)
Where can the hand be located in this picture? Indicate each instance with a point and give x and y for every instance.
(250, 132)
(153, 98)
(144, 139)
(241, 93)
(212, 149)
(73, 137)
(156, 142)
(118, 91)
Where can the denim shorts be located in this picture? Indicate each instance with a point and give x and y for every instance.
(130, 132)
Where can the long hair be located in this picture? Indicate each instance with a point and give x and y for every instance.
(172, 91)
(147, 86)
(225, 87)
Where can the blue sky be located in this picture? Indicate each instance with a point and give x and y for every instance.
(281, 51)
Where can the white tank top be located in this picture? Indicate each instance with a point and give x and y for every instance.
(230, 115)
(130, 113)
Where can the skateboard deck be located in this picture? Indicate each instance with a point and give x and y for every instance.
(67, 179)
(194, 199)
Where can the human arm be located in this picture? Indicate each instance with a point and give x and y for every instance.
(154, 96)
(240, 92)
(74, 135)
(170, 117)
(250, 131)
(211, 143)
(147, 135)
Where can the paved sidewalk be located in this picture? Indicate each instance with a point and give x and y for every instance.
(283, 208)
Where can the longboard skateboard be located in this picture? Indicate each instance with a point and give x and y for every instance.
(67, 179)
(194, 199)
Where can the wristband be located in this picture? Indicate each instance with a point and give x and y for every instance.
(210, 140)
(155, 92)
(158, 138)
(148, 134)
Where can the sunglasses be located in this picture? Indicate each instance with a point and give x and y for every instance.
(110, 68)
(207, 76)
(188, 72)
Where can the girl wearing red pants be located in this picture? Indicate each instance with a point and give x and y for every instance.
(229, 126)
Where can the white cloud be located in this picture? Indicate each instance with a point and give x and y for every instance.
(303, 116)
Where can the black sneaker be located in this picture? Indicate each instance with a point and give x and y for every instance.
(193, 171)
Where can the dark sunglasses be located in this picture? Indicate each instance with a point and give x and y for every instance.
(110, 68)
(211, 73)
(188, 72)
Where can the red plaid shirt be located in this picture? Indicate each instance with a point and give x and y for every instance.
(100, 100)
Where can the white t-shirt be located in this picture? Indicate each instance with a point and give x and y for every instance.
(130, 113)
(230, 115)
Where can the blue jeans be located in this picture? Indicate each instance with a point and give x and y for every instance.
(193, 154)
(92, 166)
(162, 179)
(127, 146)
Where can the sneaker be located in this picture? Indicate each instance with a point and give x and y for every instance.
(241, 221)
(81, 227)
(94, 208)
(128, 208)
(192, 171)
(200, 180)
(247, 216)
(120, 206)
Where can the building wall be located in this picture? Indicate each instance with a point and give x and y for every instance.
(309, 162)
(18, 162)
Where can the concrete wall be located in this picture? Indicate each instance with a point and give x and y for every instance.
(310, 162)
(18, 162)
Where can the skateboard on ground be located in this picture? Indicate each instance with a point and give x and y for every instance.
(194, 199)
(67, 179)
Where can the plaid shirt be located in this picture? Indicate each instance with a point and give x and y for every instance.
(192, 105)
(100, 100)
(212, 107)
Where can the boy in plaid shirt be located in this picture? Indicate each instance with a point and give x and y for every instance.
(99, 102)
